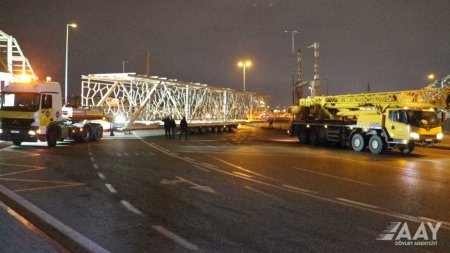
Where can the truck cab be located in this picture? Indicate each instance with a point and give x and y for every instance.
(32, 112)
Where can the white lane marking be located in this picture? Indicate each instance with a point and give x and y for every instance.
(195, 186)
(126, 154)
(298, 188)
(165, 150)
(188, 158)
(111, 188)
(336, 177)
(261, 192)
(90, 153)
(101, 176)
(243, 169)
(242, 174)
(201, 168)
(130, 207)
(176, 238)
(95, 166)
(136, 154)
(119, 154)
(92, 159)
(358, 203)
(210, 165)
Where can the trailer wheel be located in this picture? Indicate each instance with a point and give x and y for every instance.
(358, 142)
(85, 135)
(17, 143)
(303, 136)
(52, 136)
(408, 149)
(376, 144)
(97, 132)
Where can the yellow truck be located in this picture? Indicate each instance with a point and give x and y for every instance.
(377, 121)
(33, 112)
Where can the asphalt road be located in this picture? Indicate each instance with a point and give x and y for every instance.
(255, 190)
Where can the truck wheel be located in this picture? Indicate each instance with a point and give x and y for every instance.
(97, 132)
(408, 149)
(376, 144)
(17, 143)
(303, 136)
(52, 136)
(85, 135)
(358, 143)
(314, 137)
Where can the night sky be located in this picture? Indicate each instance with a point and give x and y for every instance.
(392, 44)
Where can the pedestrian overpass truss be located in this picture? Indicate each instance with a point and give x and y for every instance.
(142, 99)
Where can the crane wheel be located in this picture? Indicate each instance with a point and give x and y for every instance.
(408, 149)
(376, 144)
(358, 143)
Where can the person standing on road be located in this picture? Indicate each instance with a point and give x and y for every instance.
(167, 129)
(173, 127)
(270, 123)
(183, 128)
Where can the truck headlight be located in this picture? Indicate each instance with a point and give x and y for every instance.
(415, 136)
(439, 136)
(32, 132)
(1, 131)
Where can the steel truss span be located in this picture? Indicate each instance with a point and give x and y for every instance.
(12, 56)
(147, 100)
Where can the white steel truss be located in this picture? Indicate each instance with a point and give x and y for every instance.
(12, 57)
(142, 99)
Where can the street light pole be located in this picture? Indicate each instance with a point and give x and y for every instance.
(73, 25)
(244, 65)
(293, 32)
(123, 66)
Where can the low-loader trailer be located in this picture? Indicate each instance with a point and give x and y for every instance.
(33, 112)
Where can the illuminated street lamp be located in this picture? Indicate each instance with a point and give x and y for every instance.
(431, 76)
(73, 25)
(244, 65)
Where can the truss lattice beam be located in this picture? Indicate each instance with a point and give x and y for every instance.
(148, 99)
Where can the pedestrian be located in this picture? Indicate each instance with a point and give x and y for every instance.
(183, 128)
(270, 123)
(166, 121)
(173, 127)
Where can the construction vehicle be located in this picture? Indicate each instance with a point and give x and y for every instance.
(379, 121)
(33, 112)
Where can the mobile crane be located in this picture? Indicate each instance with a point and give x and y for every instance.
(32, 112)
(379, 121)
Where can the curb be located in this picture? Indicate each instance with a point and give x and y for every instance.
(61, 233)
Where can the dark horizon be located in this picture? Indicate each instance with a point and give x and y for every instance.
(393, 45)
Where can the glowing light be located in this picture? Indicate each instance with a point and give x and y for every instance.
(415, 136)
(48, 78)
(431, 77)
(246, 64)
(439, 136)
(23, 78)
